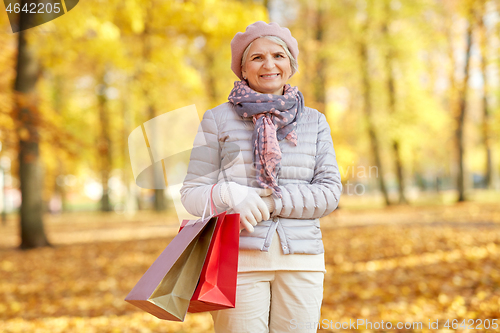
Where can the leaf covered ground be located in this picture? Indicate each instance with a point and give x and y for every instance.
(404, 264)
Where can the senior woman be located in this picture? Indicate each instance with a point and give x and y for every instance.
(271, 160)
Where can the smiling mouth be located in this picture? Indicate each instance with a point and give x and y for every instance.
(269, 75)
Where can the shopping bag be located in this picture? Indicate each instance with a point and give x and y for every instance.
(216, 289)
(165, 290)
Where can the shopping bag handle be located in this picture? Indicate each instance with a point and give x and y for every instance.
(212, 209)
(212, 206)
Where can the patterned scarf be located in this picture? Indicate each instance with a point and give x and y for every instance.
(275, 118)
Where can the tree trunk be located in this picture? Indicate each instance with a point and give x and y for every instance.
(453, 91)
(488, 178)
(399, 171)
(459, 133)
(58, 93)
(128, 178)
(319, 78)
(371, 130)
(160, 203)
(26, 108)
(60, 189)
(391, 89)
(4, 201)
(104, 145)
(210, 77)
(267, 5)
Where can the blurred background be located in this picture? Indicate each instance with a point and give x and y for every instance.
(411, 92)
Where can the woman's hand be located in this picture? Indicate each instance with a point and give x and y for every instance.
(247, 202)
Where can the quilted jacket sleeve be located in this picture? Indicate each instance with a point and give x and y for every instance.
(203, 169)
(321, 196)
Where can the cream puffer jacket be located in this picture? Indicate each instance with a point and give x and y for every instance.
(309, 177)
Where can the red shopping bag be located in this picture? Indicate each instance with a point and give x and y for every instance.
(216, 289)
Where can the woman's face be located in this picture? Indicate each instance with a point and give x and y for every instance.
(267, 67)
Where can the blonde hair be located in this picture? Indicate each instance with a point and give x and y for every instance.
(293, 62)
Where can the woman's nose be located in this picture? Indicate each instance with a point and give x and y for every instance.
(268, 63)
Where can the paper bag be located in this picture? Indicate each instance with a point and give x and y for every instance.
(217, 287)
(165, 290)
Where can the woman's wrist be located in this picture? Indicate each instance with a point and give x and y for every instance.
(217, 195)
(269, 201)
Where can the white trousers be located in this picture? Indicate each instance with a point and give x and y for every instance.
(275, 302)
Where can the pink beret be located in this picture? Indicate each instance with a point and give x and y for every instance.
(254, 31)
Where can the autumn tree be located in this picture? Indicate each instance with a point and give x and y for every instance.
(390, 60)
(363, 45)
(486, 107)
(462, 106)
(27, 115)
(104, 146)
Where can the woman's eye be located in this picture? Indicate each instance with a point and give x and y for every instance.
(279, 56)
(257, 57)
